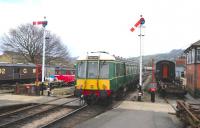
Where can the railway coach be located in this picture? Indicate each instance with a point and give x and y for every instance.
(165, 71)
(11, 73)
(28, 73)
(101, 76)
(166, 79)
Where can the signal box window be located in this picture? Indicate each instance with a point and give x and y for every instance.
(198, 55)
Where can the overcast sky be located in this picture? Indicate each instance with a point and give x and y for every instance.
(93, 25)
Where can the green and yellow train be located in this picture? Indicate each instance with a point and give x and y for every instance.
(101, 76)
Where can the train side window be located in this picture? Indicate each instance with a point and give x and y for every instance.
(104, 70)
(16, 70)
(118, 69)
(34, 70)
(182, 74)
(25, 71)
(2, 71)
(72, 72)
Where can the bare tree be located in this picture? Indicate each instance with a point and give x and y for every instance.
(27, 40)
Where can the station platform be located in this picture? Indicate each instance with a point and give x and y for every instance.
(135, 115)
(10, 99)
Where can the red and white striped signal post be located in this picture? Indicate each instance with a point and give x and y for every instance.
(139, 23)
(44, 24)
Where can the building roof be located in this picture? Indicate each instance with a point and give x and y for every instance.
(196, 44)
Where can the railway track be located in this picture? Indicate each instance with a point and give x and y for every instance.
(30, 107)
(171, 103)
(68, 115)
(85, 113)
(10, 119)
(7, 88)
(6, 92)
(45, 115)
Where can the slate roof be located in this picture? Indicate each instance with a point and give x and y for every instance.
(196, 44)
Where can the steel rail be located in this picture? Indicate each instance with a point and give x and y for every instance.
(170, 104)
(31, 115)
(30, 107)
(62, 117)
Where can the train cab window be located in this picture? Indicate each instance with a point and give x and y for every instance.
(104, 70)
(63, 71)
(72, 72)
(68, 72)
(92, 69)
(81, 69)
(57, 72)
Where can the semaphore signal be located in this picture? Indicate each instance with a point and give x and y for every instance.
(139, 23)
(44, 24)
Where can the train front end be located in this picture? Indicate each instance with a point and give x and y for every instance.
(92, 77)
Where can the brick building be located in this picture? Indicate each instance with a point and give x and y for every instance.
(193, 68)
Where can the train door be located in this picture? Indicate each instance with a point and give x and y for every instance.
(165, 71)
(16, 73)
(24, 74)
(92, 76)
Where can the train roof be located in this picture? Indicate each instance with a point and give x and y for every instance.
(106, 56)
(16, 65)
(33, 65)
(97, 56)
(160, 61)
